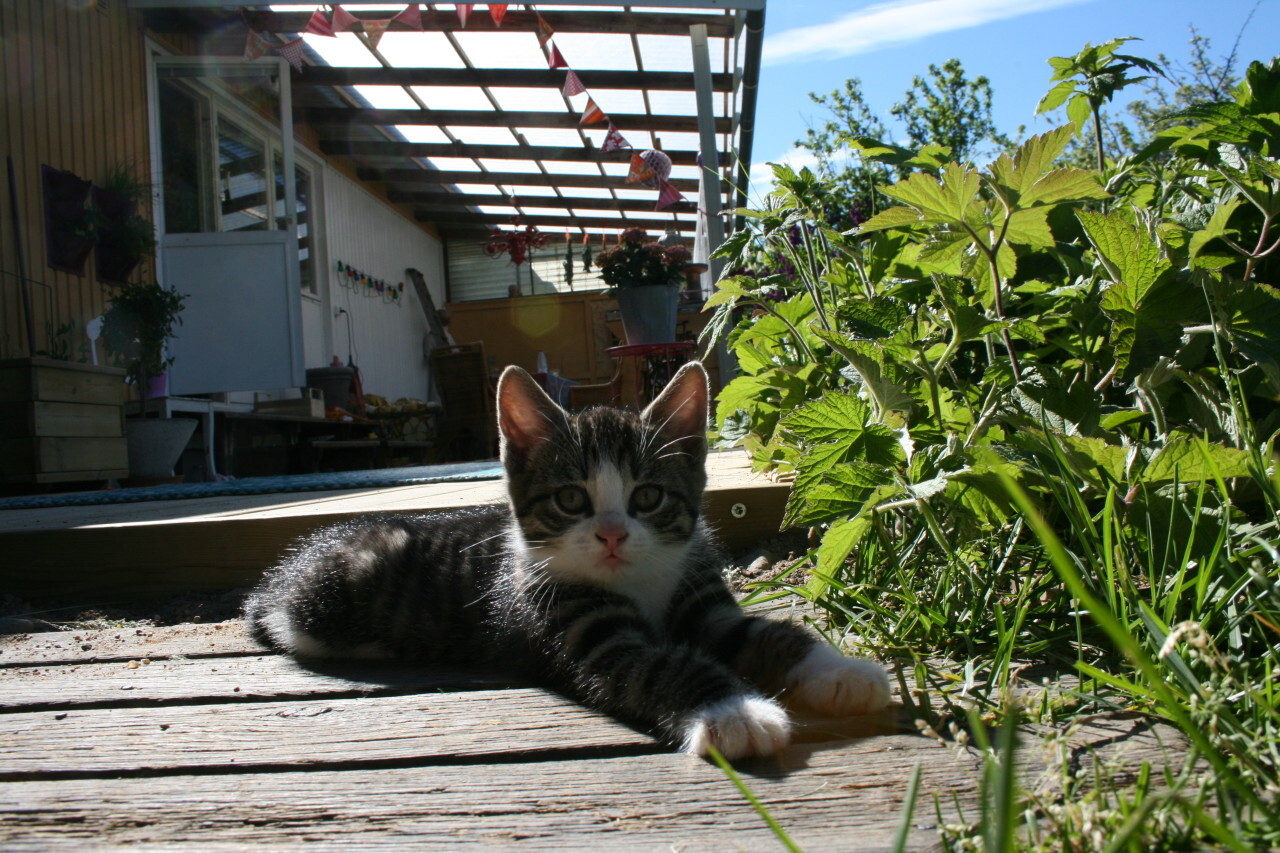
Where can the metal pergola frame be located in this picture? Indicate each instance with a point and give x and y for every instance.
(345, 126)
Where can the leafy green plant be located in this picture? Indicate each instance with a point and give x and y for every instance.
(140, 318)
(1030, 413)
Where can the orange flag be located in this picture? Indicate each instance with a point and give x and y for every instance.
(640, 171)
(592, 114)
(498, 11)
(544, 31)
(374, 30)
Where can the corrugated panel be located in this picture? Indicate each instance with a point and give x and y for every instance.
(74, 97)
(388, 335)
(473, 275)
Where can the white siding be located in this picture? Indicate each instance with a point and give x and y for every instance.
(362, 231)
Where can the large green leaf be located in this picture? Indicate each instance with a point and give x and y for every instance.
(839, 542)
(894, 217)
(841, 493)
(945, 200)
(1191, 459)
(1063, 185)
(1130, 257)
(1027, 166)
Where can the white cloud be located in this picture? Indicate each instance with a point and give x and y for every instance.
(885, 24)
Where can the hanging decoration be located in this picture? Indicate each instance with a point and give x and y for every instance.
(516, 244)
(464, 12)
(319, 25)
(573, 84)
(667, 195)
(344, 21)
(545, 33)
(293, 52)
(498, 11)
(614, 140)
(592, 114)
(374, 30)
(366, 285)
(411, 17)
(554, 59)
(255, 46)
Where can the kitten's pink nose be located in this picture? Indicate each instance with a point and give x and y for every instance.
(612, 536)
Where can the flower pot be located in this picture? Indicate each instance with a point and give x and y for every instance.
(156, 443)
(157, 386)
(648, 312)
(65, 195)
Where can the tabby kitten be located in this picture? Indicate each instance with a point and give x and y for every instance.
(598, 578)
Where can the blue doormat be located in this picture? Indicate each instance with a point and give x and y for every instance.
(379, 479)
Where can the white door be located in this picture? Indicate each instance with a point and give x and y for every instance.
(230, 225)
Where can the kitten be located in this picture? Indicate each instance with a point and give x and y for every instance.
(599, 579)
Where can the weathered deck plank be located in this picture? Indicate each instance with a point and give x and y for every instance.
(843, 796)
(432, 728)
(202, 681)
(125, 644)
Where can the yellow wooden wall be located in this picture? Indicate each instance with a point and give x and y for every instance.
(73, 96)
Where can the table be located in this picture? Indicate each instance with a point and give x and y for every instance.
(202, 406)
(647, 368)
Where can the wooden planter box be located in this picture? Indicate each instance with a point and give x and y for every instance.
(61, 422)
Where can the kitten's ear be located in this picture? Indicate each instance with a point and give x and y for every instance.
(680, 411)
(527, 417)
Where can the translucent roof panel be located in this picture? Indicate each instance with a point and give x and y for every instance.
(419, 50)
(528, 99)
(421, 133)
(494, 165)
(553, 136)
(483, 135)
(453, 97)
(586, 51)
(502, 50)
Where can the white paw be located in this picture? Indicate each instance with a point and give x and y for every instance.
(835, 685)
(739, 727)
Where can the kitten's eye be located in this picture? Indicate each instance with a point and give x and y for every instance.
(571, 499)
(646, 498)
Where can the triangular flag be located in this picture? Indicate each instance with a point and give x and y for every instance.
(292, 51)
(497, 11)
(572, 85)
(639, 171)
(464, 12)
(667, 195)
(544, 31)
(614, 140)
(554, 59)
(319, 25)
(592, 113)
(344, 21)
(411, 17)
(374, 30)
(254, 46)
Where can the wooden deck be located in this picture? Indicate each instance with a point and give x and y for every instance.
(155, 548)
(191, 735)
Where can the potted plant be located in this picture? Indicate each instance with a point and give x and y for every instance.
(140, 319)
(70, 228)
(645, 277)
(124, 237)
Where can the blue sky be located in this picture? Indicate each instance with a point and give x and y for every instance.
(814, 45)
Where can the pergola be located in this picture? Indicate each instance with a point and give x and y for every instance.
(469, 126)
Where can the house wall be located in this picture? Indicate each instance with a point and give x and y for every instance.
(66, 68)
(387, 337)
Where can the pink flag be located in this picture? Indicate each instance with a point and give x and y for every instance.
(319, 25)
(292, 51)
(667, 195)
(411, 17)
(592, 113)
(614, 140)
(544, 31)
(374, 30)
(572, 85)
(254, 46)
(344, 21)
(554, 59)
(464, 12)
(498, 11)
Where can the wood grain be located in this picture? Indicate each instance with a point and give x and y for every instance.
(842, 796)
(125, 644)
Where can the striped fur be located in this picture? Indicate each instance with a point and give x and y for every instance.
(598, 578)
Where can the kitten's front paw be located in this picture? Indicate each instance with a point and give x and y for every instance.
(739, 727)
(835, 685)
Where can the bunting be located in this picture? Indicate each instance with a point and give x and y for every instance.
(592, 113)
(344, 21)
(411, 17)
(498, 11)
(292, 51)
(667, 195)
(319, 25)
(573, 85)
(640, 173)
(374, 31)
(255, 46)
(545, 33)
(614, 140)
(554, 59)
(464, 12)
